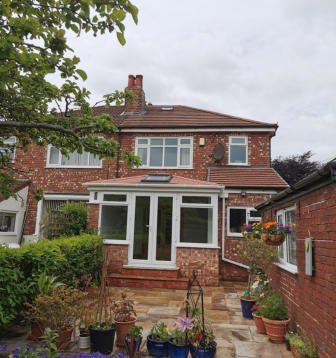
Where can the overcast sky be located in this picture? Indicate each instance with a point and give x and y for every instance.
(267, 60)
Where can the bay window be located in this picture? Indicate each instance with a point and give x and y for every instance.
(164, 152)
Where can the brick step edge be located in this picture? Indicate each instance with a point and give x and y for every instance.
(157, 273)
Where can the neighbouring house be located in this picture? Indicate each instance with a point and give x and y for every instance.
(201, 176)
(306, 272)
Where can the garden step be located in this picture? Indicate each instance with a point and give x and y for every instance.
(173, 273)
(120, 280)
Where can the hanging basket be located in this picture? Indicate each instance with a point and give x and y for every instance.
(272, 239)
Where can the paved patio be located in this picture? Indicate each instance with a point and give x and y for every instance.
(236, 336)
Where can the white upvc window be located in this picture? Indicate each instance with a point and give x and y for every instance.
(165, 152)
(7, 222)
(287, 251)
(55, 159)
(198, 219)
(237, 216)
(238, 151)
(10, 150)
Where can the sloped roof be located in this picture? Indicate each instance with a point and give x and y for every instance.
(22, 183)
(178, 117)
(176, 180)
(251, 177)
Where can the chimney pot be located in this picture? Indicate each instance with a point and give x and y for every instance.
(138, 80)
(131, 79)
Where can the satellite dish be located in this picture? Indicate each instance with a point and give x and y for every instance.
(218, 152)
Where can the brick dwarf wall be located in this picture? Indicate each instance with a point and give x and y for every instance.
(118, 256)
(312, 299)
(230, 271)
(93, 216)
(204, 261)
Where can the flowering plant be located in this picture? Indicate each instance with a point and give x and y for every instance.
(181, 330)
(124, 309)
(160, 332)
(258, 305)
(201, 337)
(273, 228)
(255, 229)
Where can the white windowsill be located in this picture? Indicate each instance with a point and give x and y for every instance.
(198, 246)
(151, 267)
(115, 242)
(290, 268)
(165, 168)
(10, 233)
(73, 167)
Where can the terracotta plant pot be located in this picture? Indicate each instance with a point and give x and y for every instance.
(276, 330)
(64, 338)
(122, 329)
(259, 324)
(37, 331)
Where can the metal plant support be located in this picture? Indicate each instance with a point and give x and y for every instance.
(194, 298)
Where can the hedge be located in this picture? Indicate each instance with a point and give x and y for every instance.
(67, 258)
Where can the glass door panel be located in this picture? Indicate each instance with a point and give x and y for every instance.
(141, 228)
(164, 228)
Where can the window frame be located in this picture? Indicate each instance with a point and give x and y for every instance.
(60, 166)
(248, 209)
(283, 261)
(9, 233)
(235, 144)
(179, 146)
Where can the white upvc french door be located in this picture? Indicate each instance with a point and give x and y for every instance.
(153, 229)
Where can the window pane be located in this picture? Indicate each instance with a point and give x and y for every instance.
(156, 141)
(142, 153)
(238, 140)
(114, 197)
(155, 157)
(237, 219)
(7, 222)
(82, 159)
(164, 229)
(237, 154)
(94, 160)
(142, 141)
(196, 199)
(141, 228)
(71, 161)
(170, 159)
(196, 225)
(281, 247)
(185, 141)
(291, 238)
(184, 156)
(54, 155)
(171, 141)
(113, 222)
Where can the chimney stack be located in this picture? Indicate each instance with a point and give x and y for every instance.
(139, 104)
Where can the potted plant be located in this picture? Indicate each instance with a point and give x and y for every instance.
(302, 347)
(102, 330)
(178, 344)
(274, 234)
(133, 340)
(157, 340)
(59, 309)
(275, 316)
(124, 316)
(258, 256)
(202, 339)
(86, 321)
(257, 318)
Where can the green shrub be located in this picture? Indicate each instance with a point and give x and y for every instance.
(303, 346)
(75, 218)
(66, 258)
(273, 307)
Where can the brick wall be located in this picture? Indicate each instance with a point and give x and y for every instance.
(312, 300)
(93, 216)
(118, 255)
(230, 271)
(204, 261)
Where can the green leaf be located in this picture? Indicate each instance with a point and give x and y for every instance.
(121, 38)
(82, 74)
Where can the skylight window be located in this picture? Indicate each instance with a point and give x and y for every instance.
(157, 178)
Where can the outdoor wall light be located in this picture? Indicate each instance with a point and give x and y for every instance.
(243, 193)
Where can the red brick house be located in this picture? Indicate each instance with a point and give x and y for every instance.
(306, 273)
(214, 168)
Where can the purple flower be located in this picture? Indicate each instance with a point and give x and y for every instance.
(184, 323)
(3, 348)
(280, 226)
(248, 228)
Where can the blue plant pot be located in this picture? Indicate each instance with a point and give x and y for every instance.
(177, 351)
(203, 353)
(157, 348)
(246, 305)
(132, 349)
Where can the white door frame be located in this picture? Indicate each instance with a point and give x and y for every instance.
(152, 232)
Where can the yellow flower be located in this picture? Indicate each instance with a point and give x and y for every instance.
(168, 329)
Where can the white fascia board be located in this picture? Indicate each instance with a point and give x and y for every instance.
(251, 191)
(155, 188)
(191, 130)
(65, 197)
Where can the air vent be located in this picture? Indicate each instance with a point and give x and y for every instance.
(167, 108)
(157, 178)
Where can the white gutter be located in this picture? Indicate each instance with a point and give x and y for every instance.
(192, 130)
